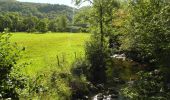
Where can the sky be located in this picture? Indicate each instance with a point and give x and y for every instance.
(65, 2)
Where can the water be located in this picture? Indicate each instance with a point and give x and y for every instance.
(104, 97)
(107, 97)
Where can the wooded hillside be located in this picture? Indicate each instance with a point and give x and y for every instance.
(36, 9)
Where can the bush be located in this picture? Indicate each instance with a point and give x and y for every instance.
(80, 67)
(11, 81)
(79, 83)
(148, 86)
(97, 57)
(147, 36)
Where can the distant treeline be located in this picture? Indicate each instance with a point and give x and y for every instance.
(35, 17)
(40, 10)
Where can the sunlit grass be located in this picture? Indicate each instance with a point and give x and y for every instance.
(41, 50)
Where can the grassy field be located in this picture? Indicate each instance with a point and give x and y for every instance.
(41, 50)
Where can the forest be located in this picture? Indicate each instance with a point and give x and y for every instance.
(37, 17)
(109, 50)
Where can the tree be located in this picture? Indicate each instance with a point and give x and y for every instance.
(30, 23)
(15, 21)
(53, 25)
(97, 51)
(82, 18)
(147, 35)
(42, 25)
(1, 23)
(5, 22)
(62, 23)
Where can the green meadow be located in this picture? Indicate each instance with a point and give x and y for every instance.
(46, 51)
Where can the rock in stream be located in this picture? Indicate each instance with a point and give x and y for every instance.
(110, 94)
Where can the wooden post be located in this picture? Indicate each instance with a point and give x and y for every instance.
(58, 60)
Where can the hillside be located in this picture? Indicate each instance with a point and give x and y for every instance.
(36, 9)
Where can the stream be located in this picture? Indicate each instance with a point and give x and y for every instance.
(107, 94)
(101, 96)
(105, 97)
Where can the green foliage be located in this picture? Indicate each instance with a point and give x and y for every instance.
(5, 22)
(79, 83)
(59, 82)
(97, 52)
(62, 23)
(97, 58)
(80, 67)
(46, 79)
(82, 18)
(47, 86)
(144, 38)
(30, 23)
(42, 25)
(11, 81)
(29, 17)
(39, 10)
(147, 32)
(148, 86)
(53, 25)
(17, 23)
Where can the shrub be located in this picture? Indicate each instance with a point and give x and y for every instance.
(79, 84)
(148, 86)
(97, 57)
(147, 32)
(11, 81)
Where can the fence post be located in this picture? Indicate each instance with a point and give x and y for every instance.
(75, 55)
(58, 60)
